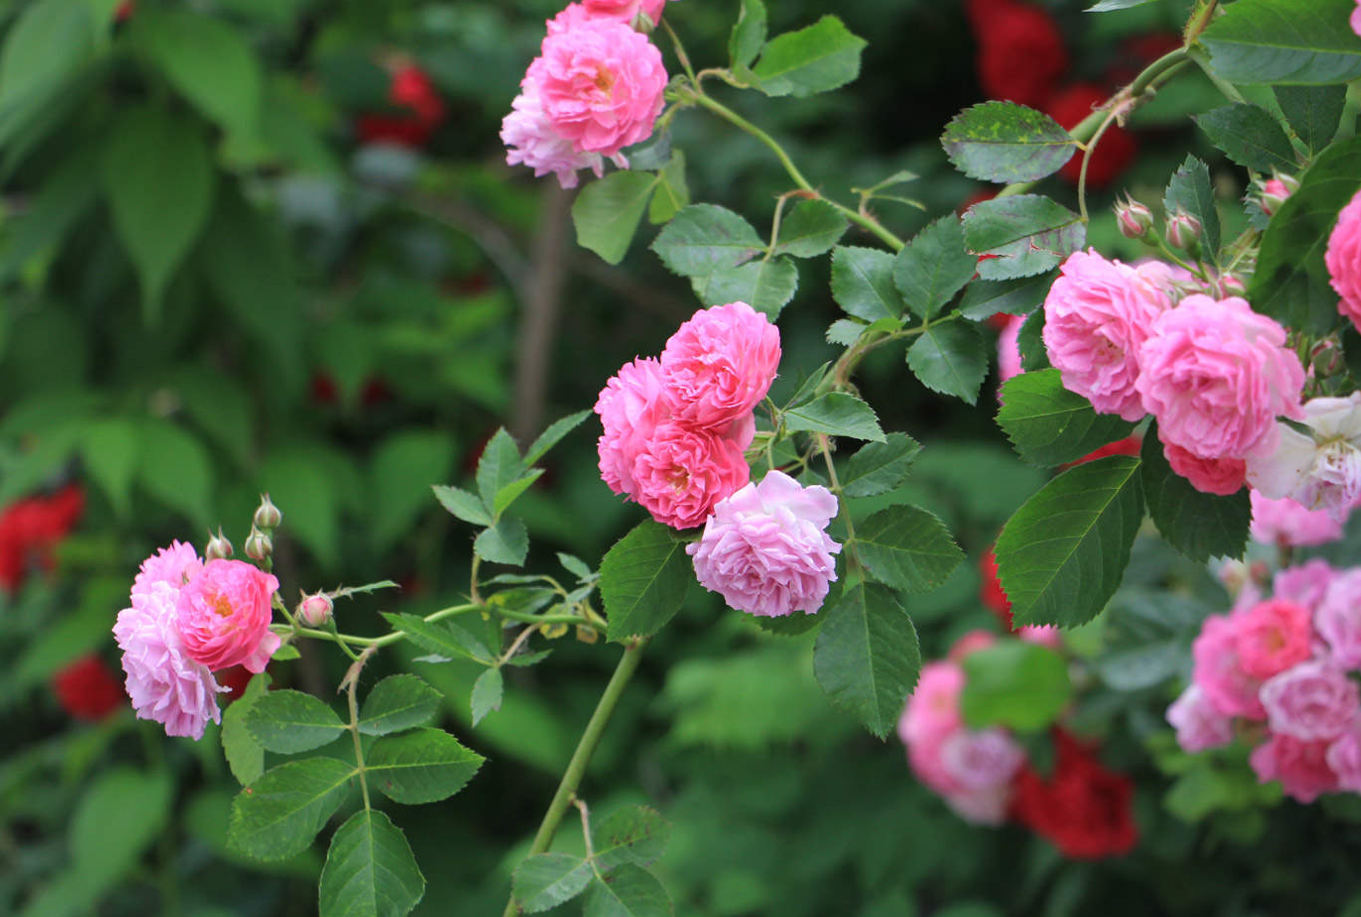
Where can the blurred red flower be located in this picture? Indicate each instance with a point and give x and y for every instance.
(87, 690)
(990, 591)
(1021, 56)
(1117, 147)
(1084, 808)
(30, 528)
(411, 90)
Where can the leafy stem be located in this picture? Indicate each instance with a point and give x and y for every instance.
(350, 684)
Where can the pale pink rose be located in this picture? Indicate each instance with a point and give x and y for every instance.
(174, 566)
(1042, 635)
(1009, 351)
(1313, 700)
(1338, 618)
(764, 549)
(1343, 255)
(1301, 767)
(532, 140)
(1216, 375)
(1321, 470)
(1304, 585)
(985, 806)
(1096, 317)
(979, 758)
(1356, 18)
(1271, 637)
(719, 365)
(163, 683)
(223, 616)
(971, 642)
(1222, 476)
(932, 712)
(1344, 759)
(1199, 725)
(630, 408)
(600, 84)
(1219, 673)
(682, 473)
(1286, 523)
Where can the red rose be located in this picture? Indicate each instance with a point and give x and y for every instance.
(411, 90)
(87, 690)
(1113, 153)
(990, 591)
(31, 528)
(1084, 809)
(1021, 57)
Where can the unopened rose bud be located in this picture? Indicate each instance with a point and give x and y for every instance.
(1233, 285)
(218, 547)
(1183, 230)
(1133, 218)
(267, 515)
(1325, 359)
(315, 610)
(1274, 194)
(258, 545)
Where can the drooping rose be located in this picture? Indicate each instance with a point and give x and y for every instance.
(719, 365)
(223, 615)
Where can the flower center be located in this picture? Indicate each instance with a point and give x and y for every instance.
(220, 605)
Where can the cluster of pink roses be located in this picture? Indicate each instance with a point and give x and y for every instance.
(189, 619)
(1281, 667)
(595, 88)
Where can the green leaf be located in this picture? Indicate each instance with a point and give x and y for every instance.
(1050, 425)
(487, 692)
(866, 657)
(1284, 41)
(933, 267)
(748, 34)
(466, 506)
(607, 212)
(985, 298)
(158, 178)
(950, 358)
(245, 756)
(907, 548)
(500, 464)
(291, 721)
(812, 228)
(1006, 142)
(512, 491)
(766, 286)
(398, 702)
(815, 59)
(628, 891)
(506, 542)
(1248, 135)
(1028, 234)
(643, 579)
(370, 870)
(1291, 279)
(836, 414)
(879, 467)
(279, 815)
(575, 566)
(1061, 556)
(862, 283)
(1197, 524)
(46, 44)
(546, 880)
(704, 238)
(110, 452)
(176, 469)
(423, 765)
(553, 435)
(672, 194)
(1034, 355)
(116, 820)
(442, 637)
(633, 834)
(1190, 190)
(1016, 684)
(1313, 112)
(218, 406)
(71, 189)
(845, 331)
(1104, 6)
(207, 61)
(402, 466)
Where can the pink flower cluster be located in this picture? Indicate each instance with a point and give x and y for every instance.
(187, 620)
(595, 88)
(676, 428)
(1285, 664)
(1215, 374)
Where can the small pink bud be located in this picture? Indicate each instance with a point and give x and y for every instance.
(1183, 230)
(1133, 218)
(1274, 194)
(315, 610)
(218, 547)
(258, 545)
(1233, 285)
(267, 515)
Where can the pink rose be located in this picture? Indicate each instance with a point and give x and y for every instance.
(1009, 350)
(932, 712)
(1199, 725)
(174, 566)
(223, 615)
(1343, 758)
(1338, 618)
(1343, 255)
(980, 758)
(1313, 700)
(630, 408)
(532, 140)
(719, 364)
(600, 84)
(1271, 637)
(1304, 585)
(1042, 635)
(971, 642)
(682, 473)
(1216, 375)
(1221, 476)
(1356, 18)
(1321, 470)
(1302, 767)
(1219, 673)
(622, 10)
(1096, 317)
(764, 549)
(1286, 523)
(986, 806)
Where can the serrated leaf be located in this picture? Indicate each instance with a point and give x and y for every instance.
(1248, 135)
(815, 59)
(766, 286)
(1190, 190)
(672, 194)
(866, 657)
(466, 506)
(290, 721)
(1197, 524)
(512, 491)
(443, 637)
(1061, 555)
(1050, 425)
(487, 693)
(1006, 142)
(862, 283)
(845, 331)
(1027, 234)
(553, 435)
(176, 469)
(950, 358)
(812, 228)
(546, 880)
(704, 238)
(280, 814)
(506, 542)
(836, 414)
(1014, 683)
(907, 548)
(1313, 112)
(643, 580)
(633, 834)
(879, 467)
(1284, 41)
(500, 464)
(575, 566)
(207, 61)
(398, 702)
(985, 298)
(245, 756)
(370, 870)
(1034, 355)
(933, 267)
(628, 891)
(423, 765)
(133, 804)
(607, 212)
(748, 33)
